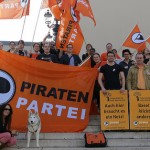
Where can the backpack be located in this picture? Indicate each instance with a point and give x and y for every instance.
(95, 139)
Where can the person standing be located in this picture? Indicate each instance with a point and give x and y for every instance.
(69, 58)
(127, 62)
(12, 46)
(47, 56)
(139, 75)
(112, 74)
(6, 135)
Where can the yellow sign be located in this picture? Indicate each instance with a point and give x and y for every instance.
(114, 110)
(139, 109)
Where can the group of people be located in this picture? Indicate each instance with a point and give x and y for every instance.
(45, 51)
(113, 73)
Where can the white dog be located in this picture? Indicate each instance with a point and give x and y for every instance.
(34, 127)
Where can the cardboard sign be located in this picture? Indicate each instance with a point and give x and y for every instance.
(114, 110)
(139, 109)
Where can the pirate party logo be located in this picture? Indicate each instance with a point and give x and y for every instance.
(7, 87)
(137, 38)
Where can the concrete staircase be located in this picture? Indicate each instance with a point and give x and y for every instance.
(75, 141)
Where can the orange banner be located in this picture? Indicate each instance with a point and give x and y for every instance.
(139, 109)
(14, 9)
(83, 6)
(114, 110)
(69, 32)
(61, 94)
(135, 40)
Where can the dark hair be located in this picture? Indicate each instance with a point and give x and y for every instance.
(96, 54)
(92, 49)
(9, 117)
(126, 51)
(108, 44)
(88, 45)
(12, 42)
(110, 52)
(35, 44)
(21, 41)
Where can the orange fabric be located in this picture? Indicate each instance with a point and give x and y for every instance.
(13, 9)
(86, 62)
(61, 94)
(148, 40)
(85, 9)
(141, 81)
(135, 40)
(34, 55)
(69, 32)
(102, 63)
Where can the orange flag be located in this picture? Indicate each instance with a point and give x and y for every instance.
(135, 40)
(55, 9)
(148, 40)
(69, 31)
(14, 9)
(83, 6)
(62, 107)
(86, 62)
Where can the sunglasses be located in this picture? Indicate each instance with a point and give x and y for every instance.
(7, 109)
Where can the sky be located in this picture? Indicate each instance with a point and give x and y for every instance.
(11, 29)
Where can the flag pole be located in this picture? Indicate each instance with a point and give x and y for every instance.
(24, 21)
(23, 27)
(42, 1)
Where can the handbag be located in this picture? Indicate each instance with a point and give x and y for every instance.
(95, 139)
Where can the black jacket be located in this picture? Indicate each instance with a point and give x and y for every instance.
(66, 60)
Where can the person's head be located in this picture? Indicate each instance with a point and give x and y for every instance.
(147, 53)
(1, 45)
(110, 56)
(36, 47)
(52, 45)
(6, 113)
(69, 48)
(126, 54)
(88, 47)
(12, 45)
(46, 48)
(21, 44)
(108, 47)
(92, 51)
(139, 57)
(96, 57)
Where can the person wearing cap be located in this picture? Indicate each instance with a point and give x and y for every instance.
(127, 62)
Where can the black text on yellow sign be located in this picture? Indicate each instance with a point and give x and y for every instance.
(139, 109)
(114, 110)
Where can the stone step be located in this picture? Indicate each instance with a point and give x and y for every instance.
(106, 148)
(109, 135)
(80, 143)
